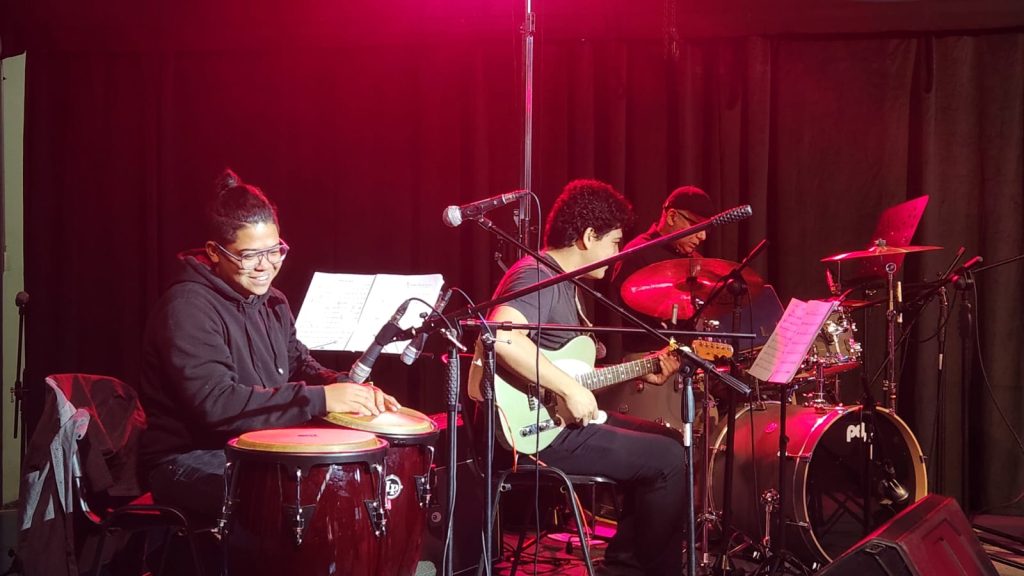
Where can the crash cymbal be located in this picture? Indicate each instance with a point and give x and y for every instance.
(654, 289)
(879, 249)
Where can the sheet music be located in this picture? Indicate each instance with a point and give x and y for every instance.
(343, 312)
(781, 357)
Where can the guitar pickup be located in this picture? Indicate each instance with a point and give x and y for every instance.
(533, 429)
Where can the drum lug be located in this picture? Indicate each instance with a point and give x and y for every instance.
(425, 483)
(424, 488)
(299, 516)
(378, 518)
(229, 501)
(376, 508)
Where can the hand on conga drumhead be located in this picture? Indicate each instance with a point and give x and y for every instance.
(360, 399)
(384, 401)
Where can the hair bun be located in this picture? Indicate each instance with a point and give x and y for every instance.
(227, 181)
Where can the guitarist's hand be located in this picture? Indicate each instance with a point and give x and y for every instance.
(581, 404)
(669, 365)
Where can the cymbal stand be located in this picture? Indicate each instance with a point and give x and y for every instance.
(892, 317)
(737, 288)
(778, 556)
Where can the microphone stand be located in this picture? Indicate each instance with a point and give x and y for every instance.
(19, 392)
(728, 216)
(734, 283)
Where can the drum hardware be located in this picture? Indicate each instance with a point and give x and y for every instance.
(298, 513)
(770, 503)
(408, 469)
(229, 502)
(317, 526)
(425, 482)
(377, 508)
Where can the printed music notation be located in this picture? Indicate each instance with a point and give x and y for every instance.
(343, 312)
(783, 354)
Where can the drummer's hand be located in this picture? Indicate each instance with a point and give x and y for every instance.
(670, 363)
(384, 402)
(365, 400)
(581, 405)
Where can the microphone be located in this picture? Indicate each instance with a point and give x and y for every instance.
(21, 300)
(890, 486)
(360, 371)
(962, 271)
(415, 346)
(454, 215)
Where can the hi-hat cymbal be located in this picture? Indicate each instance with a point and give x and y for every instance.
(655, 289)
(879, 249)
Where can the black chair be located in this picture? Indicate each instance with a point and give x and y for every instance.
(111, 505)
(527, 475)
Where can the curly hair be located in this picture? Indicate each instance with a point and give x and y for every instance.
(236, 206)
(586, 204)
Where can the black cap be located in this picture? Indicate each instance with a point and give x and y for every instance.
(690, 198)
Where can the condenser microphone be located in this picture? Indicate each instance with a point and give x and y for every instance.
(361, 369)
(415, 346)
(455, 215)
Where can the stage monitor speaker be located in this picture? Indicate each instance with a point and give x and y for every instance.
(930, 538)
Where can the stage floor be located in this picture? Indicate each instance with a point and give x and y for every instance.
(552, 557)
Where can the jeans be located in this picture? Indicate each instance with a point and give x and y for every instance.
(192, 482)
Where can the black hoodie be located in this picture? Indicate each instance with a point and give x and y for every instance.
(217, 364)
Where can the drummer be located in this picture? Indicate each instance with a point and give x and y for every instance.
(221, 356)
(684, 207)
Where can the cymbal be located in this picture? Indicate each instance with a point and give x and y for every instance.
(655, 289)
(879, 249)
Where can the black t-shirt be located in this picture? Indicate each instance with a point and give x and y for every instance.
(552, 305)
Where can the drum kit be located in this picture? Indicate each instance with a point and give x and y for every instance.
(847, 469)
(347, 499)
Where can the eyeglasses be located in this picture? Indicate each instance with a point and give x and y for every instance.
(689, 221)
(250, 260)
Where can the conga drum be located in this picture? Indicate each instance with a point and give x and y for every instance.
(411, 436)
(306, 501)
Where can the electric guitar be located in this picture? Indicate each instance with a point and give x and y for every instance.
(528, 420)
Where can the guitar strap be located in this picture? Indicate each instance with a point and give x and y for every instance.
(601, 349)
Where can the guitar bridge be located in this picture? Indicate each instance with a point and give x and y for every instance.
(534, 429)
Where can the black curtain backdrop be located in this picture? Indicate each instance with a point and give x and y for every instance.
(363, 143)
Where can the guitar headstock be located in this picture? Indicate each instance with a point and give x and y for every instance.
(710, 350)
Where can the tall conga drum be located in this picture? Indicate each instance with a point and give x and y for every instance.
(305, 501)
(411, 437)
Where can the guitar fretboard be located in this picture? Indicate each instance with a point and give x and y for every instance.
(596, 379)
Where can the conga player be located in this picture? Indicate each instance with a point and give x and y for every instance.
(221, 356)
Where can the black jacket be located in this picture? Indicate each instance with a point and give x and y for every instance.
(217, 364)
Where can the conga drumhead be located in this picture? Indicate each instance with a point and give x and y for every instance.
(403, 422)
(307, 440)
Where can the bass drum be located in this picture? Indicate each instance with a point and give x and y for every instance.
(824, 474)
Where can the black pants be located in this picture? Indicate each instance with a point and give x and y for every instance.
(647, 462)
(194, 483)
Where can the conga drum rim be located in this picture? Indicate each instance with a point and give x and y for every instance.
(307, 440)
(404, 423)
(305, 447)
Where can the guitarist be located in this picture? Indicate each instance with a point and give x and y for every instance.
(584, 226)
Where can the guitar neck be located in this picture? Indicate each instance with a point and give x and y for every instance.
(597, 379)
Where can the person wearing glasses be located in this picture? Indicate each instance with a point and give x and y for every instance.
(683, 208)
(220, 356)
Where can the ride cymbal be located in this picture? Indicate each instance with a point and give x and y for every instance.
(655, 289)
(879, 249)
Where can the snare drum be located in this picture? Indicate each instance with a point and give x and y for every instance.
(304, 501)
(411, 436)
